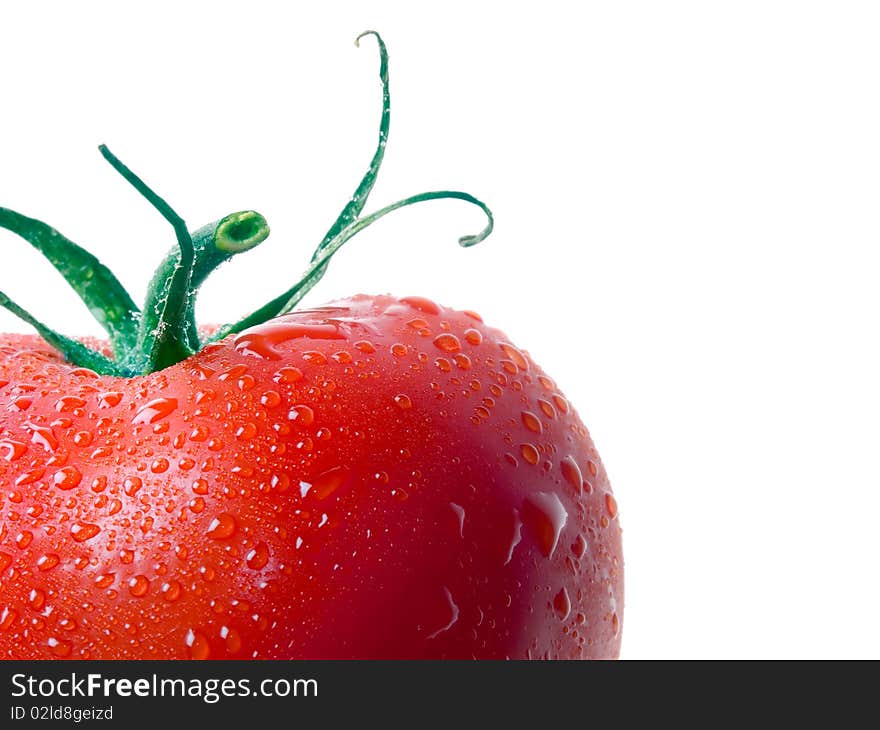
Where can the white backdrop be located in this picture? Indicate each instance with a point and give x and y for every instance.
(687, 239)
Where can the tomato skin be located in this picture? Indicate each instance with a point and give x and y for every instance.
(377, 478)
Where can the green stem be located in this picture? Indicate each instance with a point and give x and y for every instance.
(165, 331)
(163, 337)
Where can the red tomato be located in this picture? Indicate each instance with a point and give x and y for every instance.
(374, 478)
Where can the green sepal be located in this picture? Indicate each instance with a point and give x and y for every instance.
(99, 289)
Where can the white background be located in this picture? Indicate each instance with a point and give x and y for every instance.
(687, 200)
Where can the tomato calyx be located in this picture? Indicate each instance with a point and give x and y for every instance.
(164, 331)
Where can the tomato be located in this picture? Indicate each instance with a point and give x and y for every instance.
(374, 478)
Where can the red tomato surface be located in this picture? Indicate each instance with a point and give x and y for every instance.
(375, 478)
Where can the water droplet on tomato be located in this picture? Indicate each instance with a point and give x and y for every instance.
(155, 410)
(82, 531)
(531, 422)
(572, 473)
(545, 515)
(288, 375)
(301, 415)
(459, 512)
(518, 358)
(447, 342)
(14, 449)
(529, 453)
(60, 648)
(7, 618)
(454, 612)
(443, 364)
(23, 539)
(105, 580)
(68, 403)
(138, 585)
(131, 485)
(403, 401)
(37, 599)
(222, 527)
(579, 546)
(258, 557)
(473, 337)
(262, 339)
(67, 477)
(546, 408)
(5, 561)
(159, 466)
(171, 590)
(232, 639)
(198, 645)
(42, 436)
(610, 505)
(421, 304)
(270, 399)
(246, 431)
(562, 603)
(47, 562)
(329, 481)
(516, 536)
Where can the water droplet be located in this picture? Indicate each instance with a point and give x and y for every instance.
(23, 539)
(171, 590)
(198, 645)
(131, 485)
(531, 422)
(572, 473)
(462, 361)
(398, 349)
(246, 431)
(459, 515)
(258, 557)
(423, 305)
(365, 346)
(562, 603)
(579, 546)
(403, 401)
(232, 639)
(270, 399)
(443, 364)
(47, 561)
(68, 403)
(529, 453)
(82, 531)
(42, 436)
(67, 478)
(155, 410)
(447, 342)
(453, 609)
(545, 515)
(546, 408)
(288, 376)
(515, 355)
(37, 599)
(7, 618)
(473, 337)
(138, 585)
(159, 465)
(610, 505)
(561, 403)
(60, 648)
(516, 536)
(262, 339)
(5, 561)
(301, 415)
(314, 357)
(126, 557)
(109, 400)
(14, 449)
(331, 480)
(222, 527)
(105, 580)
(615, 624)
